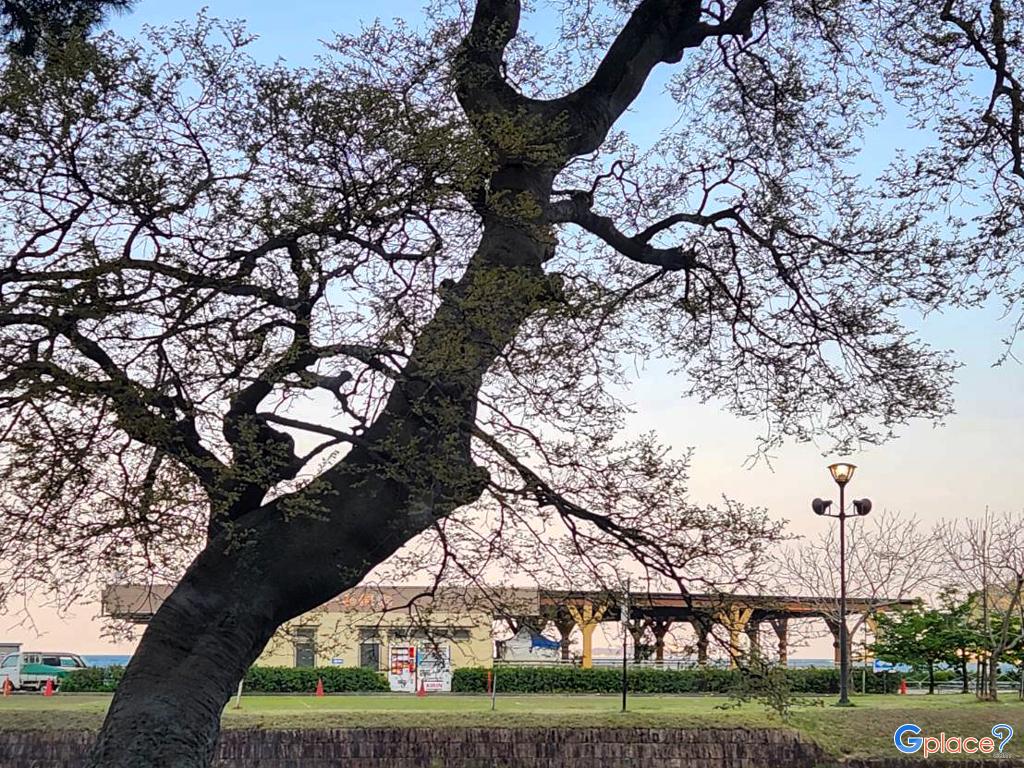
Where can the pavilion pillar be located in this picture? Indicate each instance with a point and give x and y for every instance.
(833, 625)
(753, 630)
(781, 627)
(734, 619)
(872, 623)
(564, 625)
(587, 618)
(660, 627)
(637, 628)
(701, 624)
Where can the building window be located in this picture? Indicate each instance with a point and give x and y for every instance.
(305, 647)
(369, 655)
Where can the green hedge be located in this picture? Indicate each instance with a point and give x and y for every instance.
(257, 680)
(293, 680)
(92, 680)
(569, 679)
(512, 679)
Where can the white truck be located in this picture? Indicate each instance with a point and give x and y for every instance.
(31, 669)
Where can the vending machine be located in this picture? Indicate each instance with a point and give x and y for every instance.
(402, 668)
(434, 668)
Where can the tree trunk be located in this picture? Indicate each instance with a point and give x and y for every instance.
(993, 678)
(931, 677)
(279, 561)
(166, 711)
(963, 673)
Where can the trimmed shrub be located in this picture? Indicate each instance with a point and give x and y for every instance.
(257, 680)
(92, 680)
(514, 679)
(293, 680)
(570, 679)
(814, 680)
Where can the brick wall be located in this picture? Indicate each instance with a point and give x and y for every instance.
(477, 748)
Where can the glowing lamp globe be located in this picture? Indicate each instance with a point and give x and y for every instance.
(842, 472)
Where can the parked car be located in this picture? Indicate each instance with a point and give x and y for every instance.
(29, 670)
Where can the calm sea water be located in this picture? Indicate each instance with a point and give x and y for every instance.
(106, 660)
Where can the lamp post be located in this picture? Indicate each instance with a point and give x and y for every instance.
(625, 640)
(842, 473)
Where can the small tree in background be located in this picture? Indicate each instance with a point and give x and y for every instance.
(771, 686)
(890, 558)
(963, 635)
(987, 556)
(923, 637)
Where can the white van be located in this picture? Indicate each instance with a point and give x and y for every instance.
(31, 669)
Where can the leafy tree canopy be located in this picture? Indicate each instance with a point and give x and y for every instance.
(25, 23)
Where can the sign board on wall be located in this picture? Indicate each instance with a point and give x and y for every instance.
(402, 668)
(337, 662)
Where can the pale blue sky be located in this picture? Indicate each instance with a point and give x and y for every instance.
(952, 471)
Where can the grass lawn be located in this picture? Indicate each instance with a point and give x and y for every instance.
(863, 730)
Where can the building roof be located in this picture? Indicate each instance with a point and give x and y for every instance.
(137, 603)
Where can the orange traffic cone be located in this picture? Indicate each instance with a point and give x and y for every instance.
(422, 691)
(7, 687)
(903, 686)
(48, 690)
(319, 687)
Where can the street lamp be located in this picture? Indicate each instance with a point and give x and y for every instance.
(842, 473)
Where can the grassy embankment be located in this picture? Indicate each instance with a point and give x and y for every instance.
(863, 730)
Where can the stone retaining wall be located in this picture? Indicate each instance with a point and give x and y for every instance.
(480, 748)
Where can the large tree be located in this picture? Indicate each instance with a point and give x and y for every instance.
(280, 322)
(27, 23)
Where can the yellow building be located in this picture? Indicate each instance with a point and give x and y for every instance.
(357, 628)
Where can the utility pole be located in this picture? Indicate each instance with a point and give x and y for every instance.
(864, 661)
